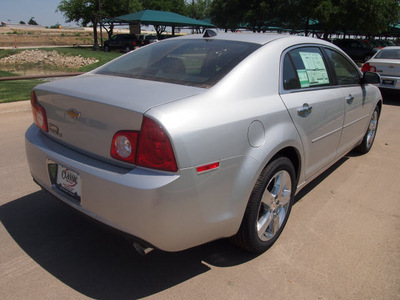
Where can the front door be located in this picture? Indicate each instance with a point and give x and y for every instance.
(357, 105)
(315, 106)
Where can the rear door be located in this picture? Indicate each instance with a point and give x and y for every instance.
(315, 105)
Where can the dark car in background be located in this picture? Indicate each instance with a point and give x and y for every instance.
(125, 42)
(146, 39)
(356, 49)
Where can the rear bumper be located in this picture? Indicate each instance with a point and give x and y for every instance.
(170, 211)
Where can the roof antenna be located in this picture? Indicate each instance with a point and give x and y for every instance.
(209, 33)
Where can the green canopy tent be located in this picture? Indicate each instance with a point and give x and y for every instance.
(159, 18)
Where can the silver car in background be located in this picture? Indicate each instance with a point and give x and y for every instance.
(387, 64)
(202, 137)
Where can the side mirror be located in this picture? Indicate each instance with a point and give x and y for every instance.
(370, 77)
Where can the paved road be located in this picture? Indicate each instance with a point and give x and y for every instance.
(342, 240)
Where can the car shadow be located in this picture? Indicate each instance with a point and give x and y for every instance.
(97, 262)
(391, 97)
(309, 187)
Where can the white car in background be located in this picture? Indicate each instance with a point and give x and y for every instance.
(387, 64)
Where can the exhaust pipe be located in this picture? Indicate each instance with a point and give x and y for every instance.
(141, 249)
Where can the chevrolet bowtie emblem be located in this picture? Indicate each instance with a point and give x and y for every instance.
(73, 113)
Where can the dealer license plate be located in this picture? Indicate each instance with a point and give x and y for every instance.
(388, 82)
(69, 181)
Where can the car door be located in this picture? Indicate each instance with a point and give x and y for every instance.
(314, 104)
(357, 105)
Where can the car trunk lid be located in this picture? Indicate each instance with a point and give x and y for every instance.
(386, 67)
(85, 112)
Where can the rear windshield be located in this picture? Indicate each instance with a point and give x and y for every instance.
(388, 54)
(189, 62)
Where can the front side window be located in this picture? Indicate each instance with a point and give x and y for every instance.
(345, 71)
(308, 69)
(183, 61)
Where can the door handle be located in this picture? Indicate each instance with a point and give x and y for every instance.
(304, 111)
(349, 99)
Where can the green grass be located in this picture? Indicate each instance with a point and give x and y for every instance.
(6, 74)
(18, 90)
(12, 91)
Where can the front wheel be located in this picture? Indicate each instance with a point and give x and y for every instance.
(268, 208)
(369, 136)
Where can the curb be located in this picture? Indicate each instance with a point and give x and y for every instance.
(15, 107)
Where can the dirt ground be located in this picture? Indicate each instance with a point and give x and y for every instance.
(23, 37)
(342, 240)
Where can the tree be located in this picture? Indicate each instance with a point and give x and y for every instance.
(199, 9)
(85, 12)
(262, 14)
(228, 14)
(360, 16)
(254, 14)
(176, 6)
(32, 21)
(22, 22)
(374, 16)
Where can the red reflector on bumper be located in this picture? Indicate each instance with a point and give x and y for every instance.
(208, 167)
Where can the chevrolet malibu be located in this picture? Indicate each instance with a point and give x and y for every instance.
(203, 137)
(387, 64)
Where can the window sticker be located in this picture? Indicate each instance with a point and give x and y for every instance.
(304, 82)
(315, 69)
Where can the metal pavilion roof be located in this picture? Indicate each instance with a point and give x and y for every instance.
(157, 17)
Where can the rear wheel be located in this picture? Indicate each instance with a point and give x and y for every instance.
(269, 207)
(369, 136)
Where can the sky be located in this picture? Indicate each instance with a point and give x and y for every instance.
(14, 11)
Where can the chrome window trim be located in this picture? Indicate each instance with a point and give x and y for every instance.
(332, 75)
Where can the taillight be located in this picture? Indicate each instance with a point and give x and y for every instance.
(368, 68)
(39, 113)
(155, 150)
(150, 148)
(124, 145)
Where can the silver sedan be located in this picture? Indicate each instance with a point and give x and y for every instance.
(202, 137)
(387, 64)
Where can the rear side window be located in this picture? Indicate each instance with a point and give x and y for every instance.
(197, 62)
(345, 71)
(388, 54)
(290, 78)
(308, 69)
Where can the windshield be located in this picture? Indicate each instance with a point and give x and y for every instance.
(189, 62)
(388, 54)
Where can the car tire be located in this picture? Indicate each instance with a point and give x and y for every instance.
(369, 136)
(106, 49)
(268, 208)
